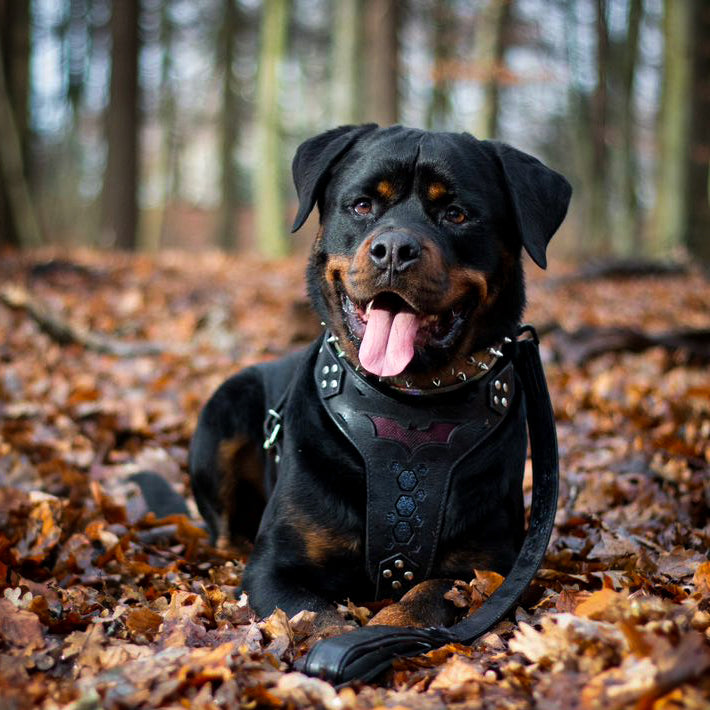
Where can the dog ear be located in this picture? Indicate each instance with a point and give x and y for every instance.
(540, 197)
(313, 160)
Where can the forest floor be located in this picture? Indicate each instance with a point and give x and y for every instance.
(105, 362)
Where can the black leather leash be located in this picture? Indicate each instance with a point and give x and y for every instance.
(365, 652)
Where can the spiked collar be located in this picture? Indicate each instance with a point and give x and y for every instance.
(462, 372)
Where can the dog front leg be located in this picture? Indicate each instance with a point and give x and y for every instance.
(422, 606)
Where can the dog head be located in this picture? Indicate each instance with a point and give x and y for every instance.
(417, 263)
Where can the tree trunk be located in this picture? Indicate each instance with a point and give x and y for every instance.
(491, 31)
(697, 235)
(439, 108)
(382, 61)
(598, 195)
(628, 230)
(120, 205)
(346, 79)
(226, 235)
(667, 227)
(18, 222)
(269, 200)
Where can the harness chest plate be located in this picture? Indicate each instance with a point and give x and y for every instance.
(410, 446)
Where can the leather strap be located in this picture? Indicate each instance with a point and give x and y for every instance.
(410, 447)
(365, 652)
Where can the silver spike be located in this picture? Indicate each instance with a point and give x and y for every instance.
(436, 382)
(322, 324)
(496, 353)
(462, 376)
(333, 339)
(407, 384)
(483, 366)
(453, 371)
(507, 340)
(341, 353)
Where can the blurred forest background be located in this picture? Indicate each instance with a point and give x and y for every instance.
(143, 124)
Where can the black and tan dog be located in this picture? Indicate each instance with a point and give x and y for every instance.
(401, 444)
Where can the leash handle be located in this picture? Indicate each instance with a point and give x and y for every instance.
(365, 652)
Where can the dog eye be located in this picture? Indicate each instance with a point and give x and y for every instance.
(454, 215)
(363, 207)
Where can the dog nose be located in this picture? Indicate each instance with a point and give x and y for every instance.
(396, 250)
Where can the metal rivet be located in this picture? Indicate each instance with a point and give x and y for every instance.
(504, 401)
(496, 399)
(396, 584)
(333, 368)
(398, 564)
(497, 384)
(323, 384)
(334, 383)
(326, 370)
(409, 575)
(386, 573)
(505, 387)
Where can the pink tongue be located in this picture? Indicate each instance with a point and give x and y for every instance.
(388, 343)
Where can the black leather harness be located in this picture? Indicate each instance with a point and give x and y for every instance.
(410, 448)
(409, 455)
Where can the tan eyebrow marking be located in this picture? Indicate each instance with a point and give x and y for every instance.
(385, 189)
(436, 190)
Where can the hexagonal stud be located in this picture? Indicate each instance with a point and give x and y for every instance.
(407, 480)
(405, 506)
(409, 575)
(396, 584)
(386, 573)
(326, 369)
(402, 531)
(399, 564)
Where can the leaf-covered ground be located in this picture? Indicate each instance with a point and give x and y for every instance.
(103, 606)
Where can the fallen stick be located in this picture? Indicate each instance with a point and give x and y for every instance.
(66, 333)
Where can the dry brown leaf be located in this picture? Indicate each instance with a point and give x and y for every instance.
(604, 605)
(20, 628)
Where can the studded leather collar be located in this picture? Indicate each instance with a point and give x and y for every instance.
(410, 446)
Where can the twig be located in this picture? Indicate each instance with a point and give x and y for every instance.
(66, 333)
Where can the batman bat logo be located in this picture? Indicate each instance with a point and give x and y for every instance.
(410, 437)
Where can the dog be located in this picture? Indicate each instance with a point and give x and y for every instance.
(398, 439)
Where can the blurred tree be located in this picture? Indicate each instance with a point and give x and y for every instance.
(667, 226)
(439, 108)
(228, 125)
(346, 80)
(627, 228)
(272, 236)
(168, 112)
(382, 68)
(18, 222)
(120, 199)
(489, 52)
(698, 177)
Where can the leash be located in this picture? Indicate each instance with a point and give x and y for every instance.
(364, 653)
